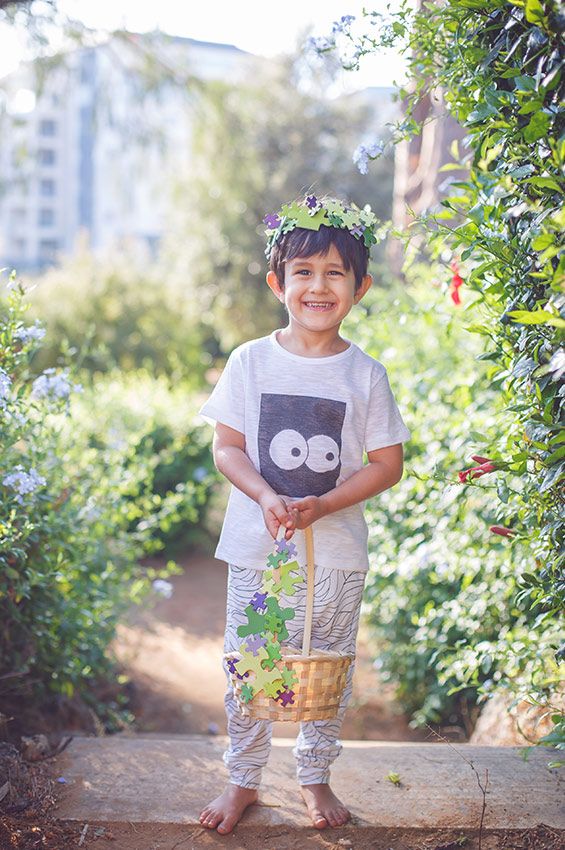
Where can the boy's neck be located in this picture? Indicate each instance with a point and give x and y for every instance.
(308, 343)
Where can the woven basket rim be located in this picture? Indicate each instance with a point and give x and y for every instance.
(289, 654)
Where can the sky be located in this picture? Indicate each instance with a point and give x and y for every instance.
(264, 28)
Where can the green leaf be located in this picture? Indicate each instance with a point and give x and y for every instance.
(534, 11)
(531, 317)
(537, 128)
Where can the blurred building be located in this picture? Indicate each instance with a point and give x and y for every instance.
(87, 146)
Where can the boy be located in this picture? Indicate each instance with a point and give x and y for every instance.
(294, 412)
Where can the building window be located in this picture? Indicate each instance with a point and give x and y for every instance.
(19, 215)
(46, 156)
(47, 188)
(48, 248)
(46, 217)
(20, 246)
(47, 127)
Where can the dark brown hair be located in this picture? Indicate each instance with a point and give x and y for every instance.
(301, 242)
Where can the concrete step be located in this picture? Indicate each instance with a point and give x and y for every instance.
(164, 782)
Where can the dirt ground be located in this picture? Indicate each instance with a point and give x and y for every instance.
(173, 655)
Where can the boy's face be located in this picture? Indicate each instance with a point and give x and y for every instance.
(318, 292)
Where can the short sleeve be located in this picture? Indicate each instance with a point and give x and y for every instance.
(384, 425)
(226, 403)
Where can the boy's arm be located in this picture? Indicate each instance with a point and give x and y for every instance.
(228, 449)
(384, 470)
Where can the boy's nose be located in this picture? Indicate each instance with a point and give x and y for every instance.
(318, 282)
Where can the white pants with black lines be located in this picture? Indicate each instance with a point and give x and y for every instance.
(335, 622)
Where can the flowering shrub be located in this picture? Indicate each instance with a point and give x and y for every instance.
(499, 66)
(441, 595)
(79, 508)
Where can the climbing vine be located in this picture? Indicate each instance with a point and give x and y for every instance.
(498, 67)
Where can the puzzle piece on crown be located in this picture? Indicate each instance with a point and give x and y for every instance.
(350, 218)
(255, 642)
(255, 624)
(303, 218)
(258, 601)
(273, 649)
(247, 693)
(289, 677)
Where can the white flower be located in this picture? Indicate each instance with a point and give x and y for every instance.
(5, 384)
(320, 43)
(23, 482)
(35, 331)
(343, 23)
(163, 587)
(50, 385)
(363, 153)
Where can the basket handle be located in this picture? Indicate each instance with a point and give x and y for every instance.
(309, 590)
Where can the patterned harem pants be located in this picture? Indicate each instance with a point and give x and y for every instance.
(335, 621)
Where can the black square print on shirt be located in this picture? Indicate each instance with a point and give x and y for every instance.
(299, 440)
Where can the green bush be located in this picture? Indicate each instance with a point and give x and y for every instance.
(441, 592)
(80, 506)
(499, 68)
(130, 311)
(153, 425)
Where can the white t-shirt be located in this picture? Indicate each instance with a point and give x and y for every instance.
(306, 422)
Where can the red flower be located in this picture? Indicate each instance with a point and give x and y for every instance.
(477, 471)
(480, 459)
(502, 530)
(456, 282)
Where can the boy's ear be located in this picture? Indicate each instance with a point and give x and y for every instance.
(366, 284)
(274, 286)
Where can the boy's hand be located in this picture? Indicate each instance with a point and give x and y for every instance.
(276, 512)
(310, 508)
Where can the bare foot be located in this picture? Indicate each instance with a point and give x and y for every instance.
(225, 811)
(323, 806)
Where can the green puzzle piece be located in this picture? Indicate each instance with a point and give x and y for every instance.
(273, 649)
(252, 663)
(255, 624)
(258, 623)
(289, 677)
(286, 582)
(283, 614)
(247, 693)
(272, 688)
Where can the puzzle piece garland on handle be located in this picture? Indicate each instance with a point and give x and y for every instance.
(266, 628)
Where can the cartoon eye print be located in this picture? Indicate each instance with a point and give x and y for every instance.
(288, 449)
(323, 453)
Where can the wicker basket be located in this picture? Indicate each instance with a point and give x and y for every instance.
(321, 673)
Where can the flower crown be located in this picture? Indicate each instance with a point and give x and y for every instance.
(313, 212)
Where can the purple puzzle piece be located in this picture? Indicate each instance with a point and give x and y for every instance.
(258, 601)
(254, 643)
(286, 697)
(287, 548)
(231, 667)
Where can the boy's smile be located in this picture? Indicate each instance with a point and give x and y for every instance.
(318, 294)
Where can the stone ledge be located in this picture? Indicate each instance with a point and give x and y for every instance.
(151, 779)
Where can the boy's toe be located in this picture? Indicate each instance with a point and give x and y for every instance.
(318, 819)
(227, 824)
